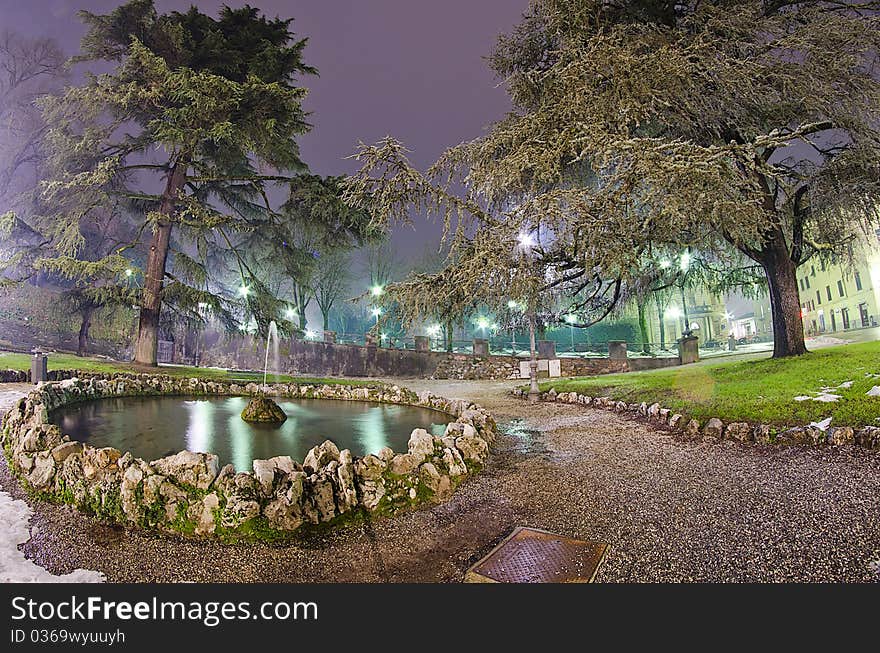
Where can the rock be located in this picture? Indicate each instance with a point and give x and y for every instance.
(739, 431)
(675, 421)
(473, 449)
(264, 472)
(868, 437)
(841, 435)
(714, 428)
(63, 450)
(196, 469)
(321, 498)
(282, 514)
(263, 410)
(421, 444)
(40, 478)
(692, 430)
(346, 493)
(318, 457)
(762, 434)
(793, 437)
(654, 410)
(814, 435)
(238, 510)
(663, 415)
(454, 462)
(203, 514)
(403, 463)
(386, 454)
(439, 484)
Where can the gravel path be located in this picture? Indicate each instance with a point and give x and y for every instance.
(670, 510)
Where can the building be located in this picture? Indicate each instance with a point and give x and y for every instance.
(842, 295)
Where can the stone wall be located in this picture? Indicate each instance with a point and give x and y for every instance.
(330, 359)
(187, 493)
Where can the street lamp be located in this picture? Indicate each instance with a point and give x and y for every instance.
(129, 272)
(243, 290)
(376, 313)
(290, 313)
(512, 304)
(376, 290)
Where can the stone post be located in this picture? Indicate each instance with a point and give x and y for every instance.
(330, 337)
(39, 367)
(423, 343)
(370, 340)
(547, 349)
(617, 350)
(688, 349)
(481, 347)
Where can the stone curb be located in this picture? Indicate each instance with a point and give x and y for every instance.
(186, 493)
(867, 437)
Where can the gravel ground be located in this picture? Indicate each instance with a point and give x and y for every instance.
(671, 511)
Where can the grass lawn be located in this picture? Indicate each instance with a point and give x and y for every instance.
(757, 391)
(14, 361)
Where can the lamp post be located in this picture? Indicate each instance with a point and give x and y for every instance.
(571, 318)
(527, 243)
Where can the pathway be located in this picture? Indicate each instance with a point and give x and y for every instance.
(15, 517)
(670, 511)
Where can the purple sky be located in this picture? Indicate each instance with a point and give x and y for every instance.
(414, 69)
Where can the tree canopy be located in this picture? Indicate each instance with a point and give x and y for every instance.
(745, 128)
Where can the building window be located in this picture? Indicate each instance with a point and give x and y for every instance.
(819, 298)
(822, 264)
(858, 280)
(840, 287)
(812, 270)
(802, 283)
(828, 292)
(807, 281)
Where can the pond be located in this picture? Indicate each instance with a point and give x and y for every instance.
(154, 427)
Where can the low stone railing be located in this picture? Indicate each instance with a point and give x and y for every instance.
(867, 436)
(187, 493)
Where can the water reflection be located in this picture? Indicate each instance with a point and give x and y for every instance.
(152, 427)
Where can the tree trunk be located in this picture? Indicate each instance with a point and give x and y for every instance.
(151, 303)
(326, 316)
(643, 328)
(449, 333)
(662, 326)
(85, 325)
(785, 304)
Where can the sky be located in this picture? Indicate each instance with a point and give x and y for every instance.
(413, 69)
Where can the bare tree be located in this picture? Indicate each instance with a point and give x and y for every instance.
(331, 281)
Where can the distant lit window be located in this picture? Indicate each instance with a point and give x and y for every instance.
(858, 281)
(840, 287)
(819, 298)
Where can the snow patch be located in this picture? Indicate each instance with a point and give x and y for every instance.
(874, 392)
(823, 424)
(15, 516)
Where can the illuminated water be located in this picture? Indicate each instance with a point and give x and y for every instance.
(153, 427)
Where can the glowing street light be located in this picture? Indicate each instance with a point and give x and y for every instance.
(526, 240)
(310, 334)
(290, 313)
(244, 291)
(685, 261)
(665, 264)
(433, 331)
(673, 312)
(482, 323)
(512, 304)
(571, 318)
(376, 290)
(129, 272)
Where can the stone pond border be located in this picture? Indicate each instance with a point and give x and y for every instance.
(188, 494)
(867, 437)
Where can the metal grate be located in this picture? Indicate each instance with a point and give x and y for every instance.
(529, 555)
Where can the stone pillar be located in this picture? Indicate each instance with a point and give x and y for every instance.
(330, 337)
(39, 367)
(370, 340)
(617, 350)
(423, 343)
(688, 350)
(546, 348)
(481, 347)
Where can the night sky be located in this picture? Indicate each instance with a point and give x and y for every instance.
(414, 69)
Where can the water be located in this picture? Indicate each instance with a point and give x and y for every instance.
(153, 427)
(276, 359)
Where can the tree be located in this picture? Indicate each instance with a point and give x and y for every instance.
(750, 122)
(332, 278)
(194, 108)
(638, 126)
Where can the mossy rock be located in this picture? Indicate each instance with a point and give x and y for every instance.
(263, 410)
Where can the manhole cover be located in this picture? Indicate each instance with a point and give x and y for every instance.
(529, 555)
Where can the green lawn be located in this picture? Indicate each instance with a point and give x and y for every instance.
(753, 390)
(13, 361)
